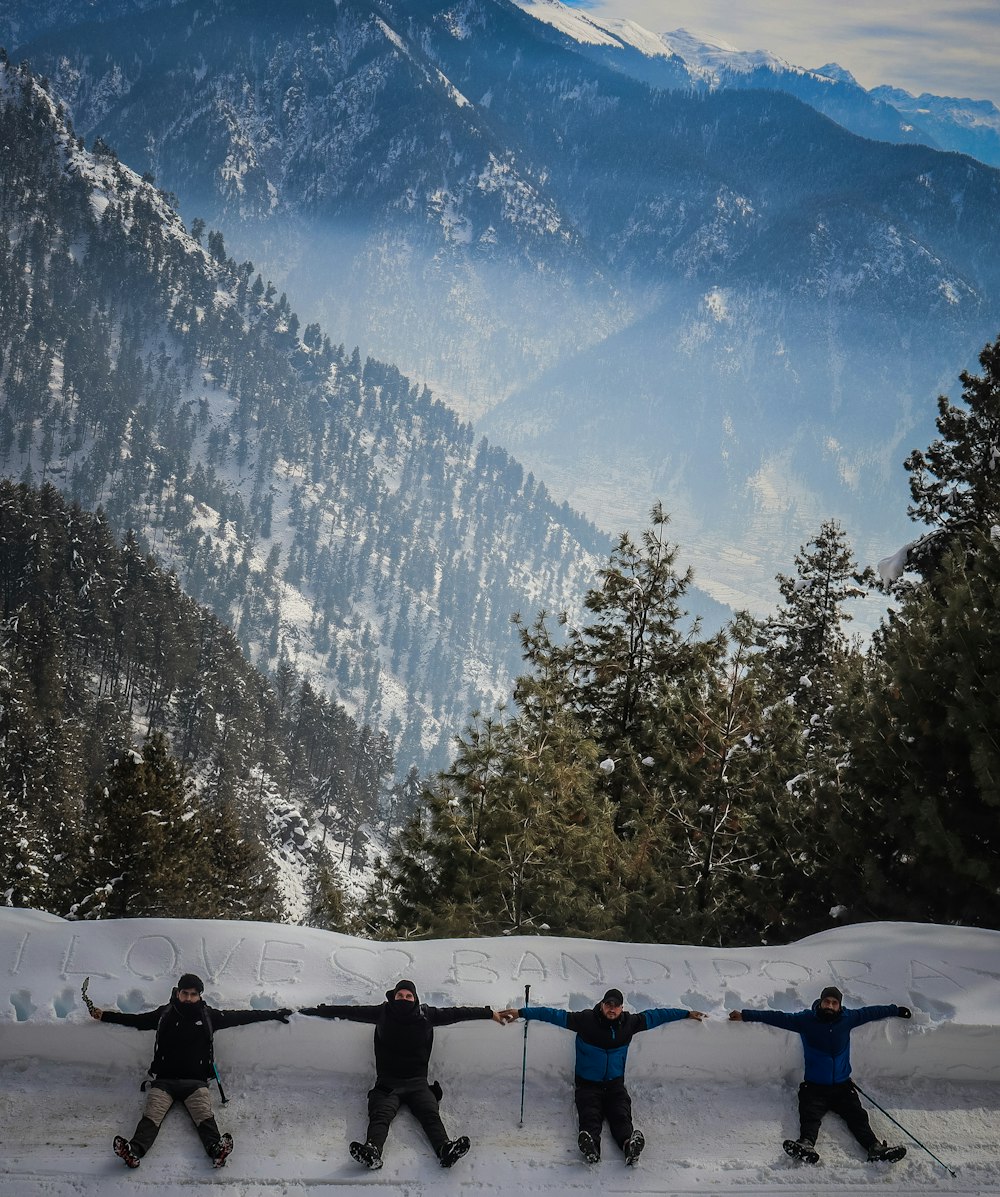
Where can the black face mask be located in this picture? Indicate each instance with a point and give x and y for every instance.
(404, 1010)
(827, 1015)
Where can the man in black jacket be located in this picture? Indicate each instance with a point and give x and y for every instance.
(183, 1062)
(404, 1036)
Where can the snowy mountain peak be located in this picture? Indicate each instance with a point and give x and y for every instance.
(836, 72)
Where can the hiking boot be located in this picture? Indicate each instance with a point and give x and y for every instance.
(123, 1149)
(588, 1148)
(801, 1149)
(633, 1147)
(882, 1152)
(451, 1152)
(221, 1150)
(367, 1154)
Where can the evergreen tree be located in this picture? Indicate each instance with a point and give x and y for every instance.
(925, 771)
(814, 675)
(955, 483)
(514, 837)
(151, 859)
(926, 768)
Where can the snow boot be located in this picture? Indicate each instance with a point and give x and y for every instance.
(588, 1148)
(221, 1151)
(367, 1154)
(452, 1152)
(801, 1149)
(633, 1147)
(123, 1149)
(879, 1152)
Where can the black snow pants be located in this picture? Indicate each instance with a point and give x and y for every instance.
(842, 1099)
(383, 1105)
(597, 1100)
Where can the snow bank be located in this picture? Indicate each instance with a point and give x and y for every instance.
(947, 975)
(715, 1099)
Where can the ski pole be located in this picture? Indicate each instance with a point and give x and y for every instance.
(218, 1081)
(904, 1130)
(524, 1057)
(83, 993)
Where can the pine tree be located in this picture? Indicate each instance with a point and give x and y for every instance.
(926, 768)
(955, 483)
(152, 859)
(811, 666)
(925, 772)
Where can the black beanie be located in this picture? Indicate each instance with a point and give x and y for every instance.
(190, 981)
(404, 984)
(614, 997)
(832, 991)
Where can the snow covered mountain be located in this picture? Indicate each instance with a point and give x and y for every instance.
(328, 510)
(714, 1099)
(679, 59)
(716, 297)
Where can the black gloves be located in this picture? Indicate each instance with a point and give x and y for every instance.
(904, 1012)
(284, 1014)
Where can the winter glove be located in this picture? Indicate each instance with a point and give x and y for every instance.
(283, 1015)
(904, 1012)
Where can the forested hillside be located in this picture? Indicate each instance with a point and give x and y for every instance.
(326, 509)
(147, 767)
(753, 786)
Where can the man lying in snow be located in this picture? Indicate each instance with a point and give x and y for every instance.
(603, 1035)
(183, 1062)
(404, 1036)
(825, 1030)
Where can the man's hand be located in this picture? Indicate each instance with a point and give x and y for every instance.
(96, 1012)
(904, 1012)
(697, 1014)
(503, 1017)
(735, 1015)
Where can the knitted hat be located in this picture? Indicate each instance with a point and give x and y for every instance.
(190, 981)
(404, 984)
(832, 991)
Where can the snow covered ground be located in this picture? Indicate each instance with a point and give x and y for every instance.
(715, 1099)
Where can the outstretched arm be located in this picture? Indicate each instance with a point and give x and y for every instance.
(773, 1018)
(147, 1021)
(351, 1013)
(444, 1016)
(660, 1017)
(240, 1018)
(873, 1013)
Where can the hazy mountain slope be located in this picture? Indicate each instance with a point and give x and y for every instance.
(543, 234)
(326, 508)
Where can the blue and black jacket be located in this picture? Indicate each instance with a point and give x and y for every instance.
(601, 1043)
(825, 1045)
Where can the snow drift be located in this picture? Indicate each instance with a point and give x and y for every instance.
(715, 1099)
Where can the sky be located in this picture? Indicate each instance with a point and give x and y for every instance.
(715, 1098)
(947, 47)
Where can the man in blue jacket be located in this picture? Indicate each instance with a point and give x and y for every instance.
(825, 1030)
(603, 1035)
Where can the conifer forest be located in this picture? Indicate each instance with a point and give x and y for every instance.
(281, 638)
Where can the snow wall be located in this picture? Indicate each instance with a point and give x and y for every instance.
(949, 976)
